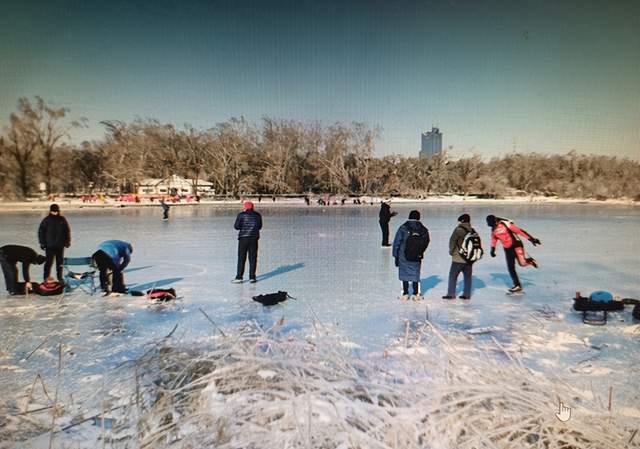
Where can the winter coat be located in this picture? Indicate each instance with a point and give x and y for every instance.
(248, 224)
(455, 242)
(385, 213)
(119, 251)
(407, 270)
(54, 232)
(505, 231)
(16, 253)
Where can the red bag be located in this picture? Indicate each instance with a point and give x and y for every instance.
(48, 288)
(161, 294)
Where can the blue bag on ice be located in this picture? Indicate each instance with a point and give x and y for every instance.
(601, 296)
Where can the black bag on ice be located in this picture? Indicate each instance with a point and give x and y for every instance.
(598, 301)
(271, 299)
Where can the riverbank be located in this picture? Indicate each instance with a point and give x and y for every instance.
(76, 203)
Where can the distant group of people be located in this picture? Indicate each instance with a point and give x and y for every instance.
(412, 239)
(328, 202)
(54, 236)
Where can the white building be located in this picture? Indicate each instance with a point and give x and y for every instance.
(431, 143)
(174, 185)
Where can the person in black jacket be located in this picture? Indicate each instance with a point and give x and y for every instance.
(10, 256)
(165, 209)
(385, 218)
(54, 235)
(248, 223)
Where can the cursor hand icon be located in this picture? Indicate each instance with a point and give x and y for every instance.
(564, 413)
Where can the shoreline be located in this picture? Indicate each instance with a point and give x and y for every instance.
(77, 204)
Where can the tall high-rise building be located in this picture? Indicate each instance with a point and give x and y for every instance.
(431, 143)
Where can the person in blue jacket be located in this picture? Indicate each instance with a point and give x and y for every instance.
(248, 224)
(111, 258)
(409, 245)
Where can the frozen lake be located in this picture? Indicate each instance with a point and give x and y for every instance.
(330, 259)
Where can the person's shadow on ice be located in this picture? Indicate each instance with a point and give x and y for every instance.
(427, 284)
(280, 270)
(476, 284)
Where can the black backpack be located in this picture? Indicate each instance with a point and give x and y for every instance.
(271, 299)
(416, 244)
(471, 247)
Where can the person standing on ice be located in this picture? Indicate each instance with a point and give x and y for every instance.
(248, 224)
(54, 236)
(505, 231)
(165, 209)
(111, 258)
(462, 232)
(409, 245)
(384, 219)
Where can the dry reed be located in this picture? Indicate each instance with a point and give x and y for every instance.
(255, 388)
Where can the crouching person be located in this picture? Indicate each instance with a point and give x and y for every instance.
(10, 256)
(111, 259)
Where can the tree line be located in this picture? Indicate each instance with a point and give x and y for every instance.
(277, 157)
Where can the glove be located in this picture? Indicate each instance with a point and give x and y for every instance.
(42, 246)
(534, 241)
(397, 262)
(493, 252)
(393, 214)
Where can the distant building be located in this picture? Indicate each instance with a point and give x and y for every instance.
(173, 185)
(431, 143)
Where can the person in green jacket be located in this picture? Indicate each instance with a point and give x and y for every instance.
(458, 264)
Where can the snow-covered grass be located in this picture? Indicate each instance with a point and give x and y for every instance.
(256, 388)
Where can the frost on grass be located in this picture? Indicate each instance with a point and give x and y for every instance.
(255, 388)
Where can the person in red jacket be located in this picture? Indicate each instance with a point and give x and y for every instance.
(505, 231)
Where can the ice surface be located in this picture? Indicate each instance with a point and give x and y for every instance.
(330, 259)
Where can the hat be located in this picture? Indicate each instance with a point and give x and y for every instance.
(414, 215)
(491, 220)
(54, 208)
(247, 205)
(464, 218)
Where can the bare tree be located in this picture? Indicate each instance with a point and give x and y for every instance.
(233, 147)
(196, 146)
(21, 144)
(46, 125)
(360, 156)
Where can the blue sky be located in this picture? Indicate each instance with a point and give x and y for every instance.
(495, 76)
